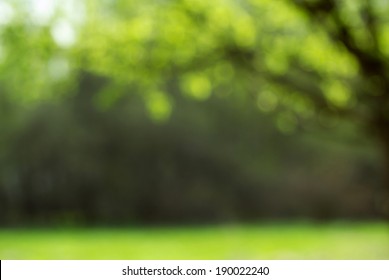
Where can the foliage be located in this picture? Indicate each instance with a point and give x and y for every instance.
(269, 50)
(76, 143)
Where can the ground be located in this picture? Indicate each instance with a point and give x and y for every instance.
(263, 241)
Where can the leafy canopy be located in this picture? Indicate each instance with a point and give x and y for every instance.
(268, 50)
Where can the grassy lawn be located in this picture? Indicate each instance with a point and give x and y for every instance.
(267, 241)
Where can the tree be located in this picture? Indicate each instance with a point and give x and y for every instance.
(361, 29)
(298, 58)
(295, 58)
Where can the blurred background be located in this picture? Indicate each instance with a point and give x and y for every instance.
(192, 112)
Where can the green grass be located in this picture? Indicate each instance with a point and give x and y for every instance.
(269, 241)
